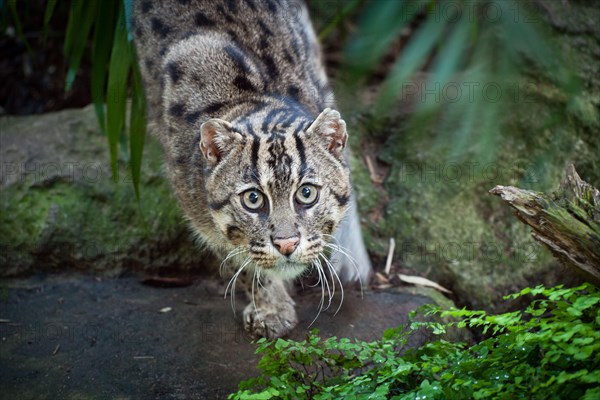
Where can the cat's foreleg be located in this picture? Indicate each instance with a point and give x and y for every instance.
(271, 312)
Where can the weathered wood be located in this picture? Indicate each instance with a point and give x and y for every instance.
(566, 222)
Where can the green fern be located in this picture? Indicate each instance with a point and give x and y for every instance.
(548, 351)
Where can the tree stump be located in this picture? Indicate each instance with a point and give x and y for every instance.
(566, 222)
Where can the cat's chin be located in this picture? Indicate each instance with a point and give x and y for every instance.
(285, 269)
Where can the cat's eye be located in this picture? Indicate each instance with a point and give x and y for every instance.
(253, 200)
(307, 195)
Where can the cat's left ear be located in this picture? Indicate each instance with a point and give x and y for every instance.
(216, 138)
(331, 128)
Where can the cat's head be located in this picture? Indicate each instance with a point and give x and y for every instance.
(276, 196)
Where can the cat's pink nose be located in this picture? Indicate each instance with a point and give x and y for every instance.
(286, 246)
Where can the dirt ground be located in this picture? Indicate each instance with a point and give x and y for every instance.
(80, 337)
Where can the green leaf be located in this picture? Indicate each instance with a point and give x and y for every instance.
(522, 31)
(381, 25)
(581, 304)
(48, 16)
(419, 47)
(116, 98)
(81, 19)
(450, 56)
(340, 17)
(592, 394)
(12, 5)
(281, 344)
(104, 31)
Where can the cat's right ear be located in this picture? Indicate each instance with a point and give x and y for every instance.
(216, 137)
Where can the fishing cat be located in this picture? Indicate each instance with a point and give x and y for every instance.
(239, 99)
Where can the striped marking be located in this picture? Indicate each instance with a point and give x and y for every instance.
(342, 199)
(301, 154)
(238, 58)
(218, 205)
(254, 154)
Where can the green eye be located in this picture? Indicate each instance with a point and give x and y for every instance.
(253, 199)
(307, 194)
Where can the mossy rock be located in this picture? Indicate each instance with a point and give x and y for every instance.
(436, 204)
(61, 209)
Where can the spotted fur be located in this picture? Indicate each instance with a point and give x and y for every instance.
(240, 102)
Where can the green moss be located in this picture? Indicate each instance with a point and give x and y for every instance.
(90, 222)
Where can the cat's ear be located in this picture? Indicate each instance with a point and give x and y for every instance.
(331, 128)
(216, 137)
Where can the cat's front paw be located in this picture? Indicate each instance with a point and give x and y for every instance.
(272, 321)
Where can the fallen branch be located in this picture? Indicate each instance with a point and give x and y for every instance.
(566, 222)
(418, 280)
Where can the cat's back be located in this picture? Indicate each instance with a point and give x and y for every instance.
(244, 49)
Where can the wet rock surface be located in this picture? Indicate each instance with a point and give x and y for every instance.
(88, 338)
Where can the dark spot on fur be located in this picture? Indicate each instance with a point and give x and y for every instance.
(288, 57)
(293, 92)
(232, 35)
(264, 43)
(232, 5)
(271, 67)
(174, 71)
(163, 51)
(242, 83)
(203, 21)
(177, 109)
(233, 233)
(179, 160)
(225, 14)
(159, 28)
(328, 227)
(192, 117)
(184, 2)
(271, 6)
(197, 79)
(149, 63)
(251, 4)
(146, 6)
(213, 108)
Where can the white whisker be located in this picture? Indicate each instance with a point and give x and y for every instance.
(317, 265)
(233, 280)
(253, 278)
(233, 253)
(258, 279)
(334, 273)
(319, 281)
(329, 292)
(345, 252)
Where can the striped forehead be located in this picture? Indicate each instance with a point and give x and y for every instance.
(279, 162)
